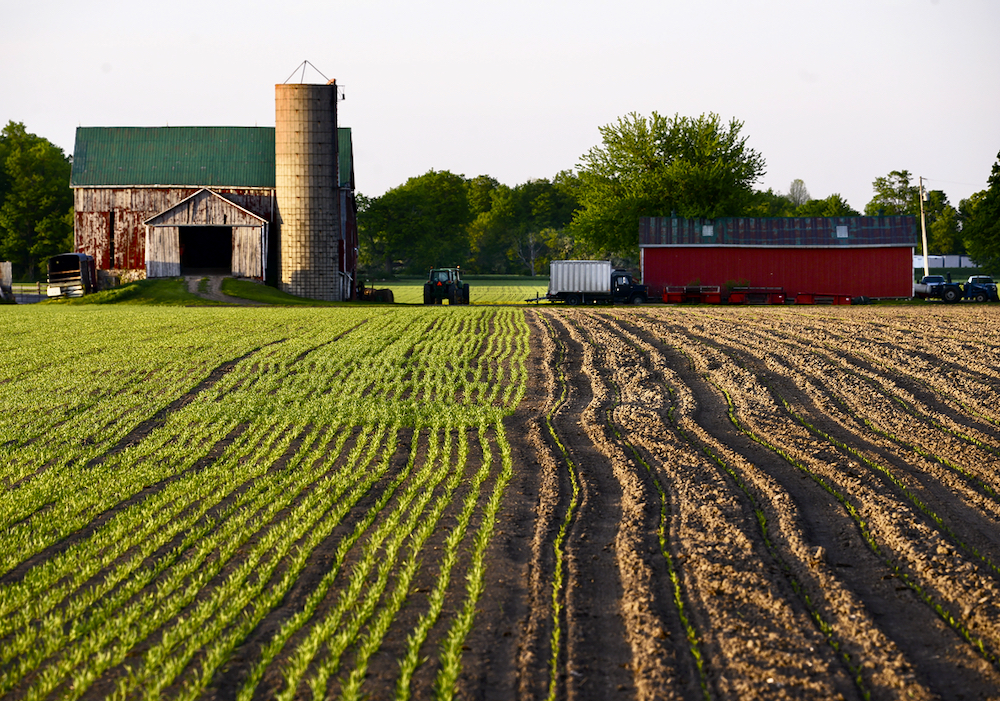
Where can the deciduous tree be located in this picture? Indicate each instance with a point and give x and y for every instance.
(798, 195)
(944, 234)
(421, 224)
(514, 234)
(694, 167)
(982, 223)
(894, 195)
(36, 202)
(832, 206)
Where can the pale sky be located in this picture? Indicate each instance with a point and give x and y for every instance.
(835, 93)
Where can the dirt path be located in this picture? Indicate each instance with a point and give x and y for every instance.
(214, 291)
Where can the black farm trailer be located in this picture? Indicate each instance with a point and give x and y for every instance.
(71, 275)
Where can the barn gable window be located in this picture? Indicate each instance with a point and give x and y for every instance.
(708, 230)
(841, 232)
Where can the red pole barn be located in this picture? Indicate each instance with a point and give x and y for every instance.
(849, 256)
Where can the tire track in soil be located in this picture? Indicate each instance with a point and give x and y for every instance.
(597, 662)
(939, 657)
(923, 400)
(810, 535)
(921, 356)
(592, 658)
(618, 637)
(753, 631)
(549, 501)
(937, 517)
(837, 408)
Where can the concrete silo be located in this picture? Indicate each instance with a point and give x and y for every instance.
(306, 182)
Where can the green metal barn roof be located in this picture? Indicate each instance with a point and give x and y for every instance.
(185, 156)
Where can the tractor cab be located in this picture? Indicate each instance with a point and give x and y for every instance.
(445, 284)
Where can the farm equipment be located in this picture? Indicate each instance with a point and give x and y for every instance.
(978, 288)
(370, 294)
(446, 284)
(714, 294)
(6, 284)
(590, 281)
(71, 275)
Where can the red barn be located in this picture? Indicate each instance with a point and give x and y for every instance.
(853, 256)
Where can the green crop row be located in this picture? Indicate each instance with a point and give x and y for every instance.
(170, 477)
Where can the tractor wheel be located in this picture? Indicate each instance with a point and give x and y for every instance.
(428, 295)
(950, 295)
(465, 293)
(981, 297)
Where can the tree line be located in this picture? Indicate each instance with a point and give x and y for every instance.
(698, 167)
(36, 202)
(644, 166)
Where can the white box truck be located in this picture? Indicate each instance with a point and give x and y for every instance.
(590, 281)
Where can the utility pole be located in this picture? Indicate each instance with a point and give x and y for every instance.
(923, 227)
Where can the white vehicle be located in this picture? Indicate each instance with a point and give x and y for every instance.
(589, 281)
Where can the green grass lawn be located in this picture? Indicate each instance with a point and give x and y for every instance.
(254, 291)
(172, 292)
(483, 289)
(161, 291)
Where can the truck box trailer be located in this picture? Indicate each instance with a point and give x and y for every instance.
(588, 281)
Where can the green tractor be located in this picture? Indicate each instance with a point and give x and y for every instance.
(446, 283)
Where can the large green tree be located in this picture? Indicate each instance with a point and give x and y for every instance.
(894, 195)
(36, 202)
(768, 203)
(798, 203)
(655, 166)
(944, 231)
(981, 229)
(421, 224)
(523, 226)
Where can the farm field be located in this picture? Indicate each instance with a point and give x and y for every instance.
(248, 503)
(551, 502)
(483, 289)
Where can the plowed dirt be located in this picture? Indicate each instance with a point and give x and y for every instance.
(751, 503)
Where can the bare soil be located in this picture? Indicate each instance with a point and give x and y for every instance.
(707, 503)
(771, 503)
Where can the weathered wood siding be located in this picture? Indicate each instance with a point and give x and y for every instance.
(248, 251)
(163, 252)
(163, 257)
(95, 208)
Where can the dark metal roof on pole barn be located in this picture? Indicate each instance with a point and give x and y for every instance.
(794, 232)
(218, 157)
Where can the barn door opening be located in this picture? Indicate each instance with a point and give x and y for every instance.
(206, 250)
